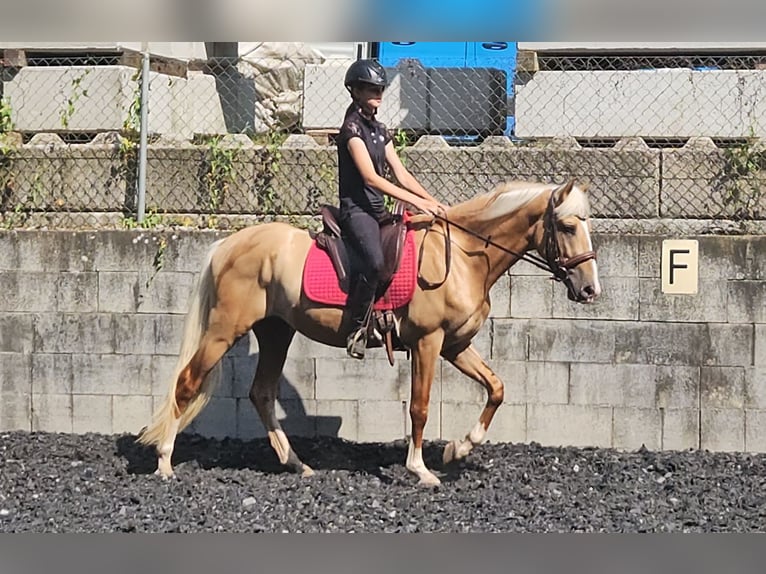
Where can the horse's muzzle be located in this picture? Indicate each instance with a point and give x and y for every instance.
(586, 294)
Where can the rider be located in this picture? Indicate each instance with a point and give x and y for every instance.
(364, 149)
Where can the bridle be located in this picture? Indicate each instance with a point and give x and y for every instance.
(553, 262)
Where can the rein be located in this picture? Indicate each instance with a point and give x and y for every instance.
(553, 263)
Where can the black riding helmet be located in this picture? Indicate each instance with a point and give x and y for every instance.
(365, 72)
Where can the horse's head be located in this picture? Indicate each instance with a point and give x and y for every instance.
(563, 239)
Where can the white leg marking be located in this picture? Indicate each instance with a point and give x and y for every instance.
(458, 449)
(165, 451)
(280, 444)
(416, 466)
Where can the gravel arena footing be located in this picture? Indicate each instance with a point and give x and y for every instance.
(100, 483)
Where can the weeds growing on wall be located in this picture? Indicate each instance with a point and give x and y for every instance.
(10, 215)
(217, 173)
(744, 175)
(70, 105)
(270, 158)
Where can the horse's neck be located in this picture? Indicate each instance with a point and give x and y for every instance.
(513, 232)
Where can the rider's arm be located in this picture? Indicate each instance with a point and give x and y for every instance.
(363, 162)
(404, 177)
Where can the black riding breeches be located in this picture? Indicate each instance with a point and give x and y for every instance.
(363, 231)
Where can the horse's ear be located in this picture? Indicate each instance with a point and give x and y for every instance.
(562, 192)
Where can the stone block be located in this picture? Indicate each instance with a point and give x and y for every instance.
(74, 333)
(162, 371)
(680, 429)
(134, 334)
(124, 250)
(111, 375)
(569, 425)
(755, 388)
(130, 413)
(57, 250)
(746, 301)
(617, 255)
(52, 413)
(531, 297)
(619, 300)
(92, 413)
(16, 332)
(15, 411)
(509, 339)
(649, 256)
(709, 304)
(338, 419)
(613, 385)
(15, 374)
(722, 429)
(77, 292)
(500, 297)
(381, 421)
(372, 380)
(760, 345)
(185, 251)
(678, 387)
(508, 425)
(33, 291)
(298, 416)
(637, 427)
(755, 430)
(164, 292)
(218, 419)
(52, 374)
(655, 343)
(729, 345)
(722, 387)
(117, 291)
(572, 341)
(168, 333)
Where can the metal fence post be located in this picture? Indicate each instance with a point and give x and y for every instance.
(144, 136)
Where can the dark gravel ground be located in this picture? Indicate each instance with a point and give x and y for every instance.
(97, 483)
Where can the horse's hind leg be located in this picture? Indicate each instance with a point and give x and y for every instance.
(470, 363)
(213, 346)
(274, 338)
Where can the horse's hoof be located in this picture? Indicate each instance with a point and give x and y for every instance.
(307, 471)
(429, 480)
(165, 475)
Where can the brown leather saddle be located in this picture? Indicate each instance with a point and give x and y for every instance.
(343, 256)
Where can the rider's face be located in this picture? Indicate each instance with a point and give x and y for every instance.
(369, 95)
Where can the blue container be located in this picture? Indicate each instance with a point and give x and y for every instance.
(500, 55)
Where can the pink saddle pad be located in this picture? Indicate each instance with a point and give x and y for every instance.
(321, 285)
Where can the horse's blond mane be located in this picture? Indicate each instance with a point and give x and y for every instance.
(509, 196)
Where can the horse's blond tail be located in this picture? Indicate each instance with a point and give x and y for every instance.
(203, 299)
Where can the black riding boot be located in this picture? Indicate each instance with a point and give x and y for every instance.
(360, 306)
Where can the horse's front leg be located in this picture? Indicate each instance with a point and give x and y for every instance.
(470, 363)
(424, 356)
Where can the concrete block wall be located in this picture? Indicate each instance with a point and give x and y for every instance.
(662, 103)
(90, 325)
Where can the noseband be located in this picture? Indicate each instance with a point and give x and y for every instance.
(553, 262)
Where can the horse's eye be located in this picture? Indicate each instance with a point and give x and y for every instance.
(568, 229)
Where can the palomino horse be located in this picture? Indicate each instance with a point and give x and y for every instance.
(252, 280)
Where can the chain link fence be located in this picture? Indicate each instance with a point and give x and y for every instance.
(665, 143)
